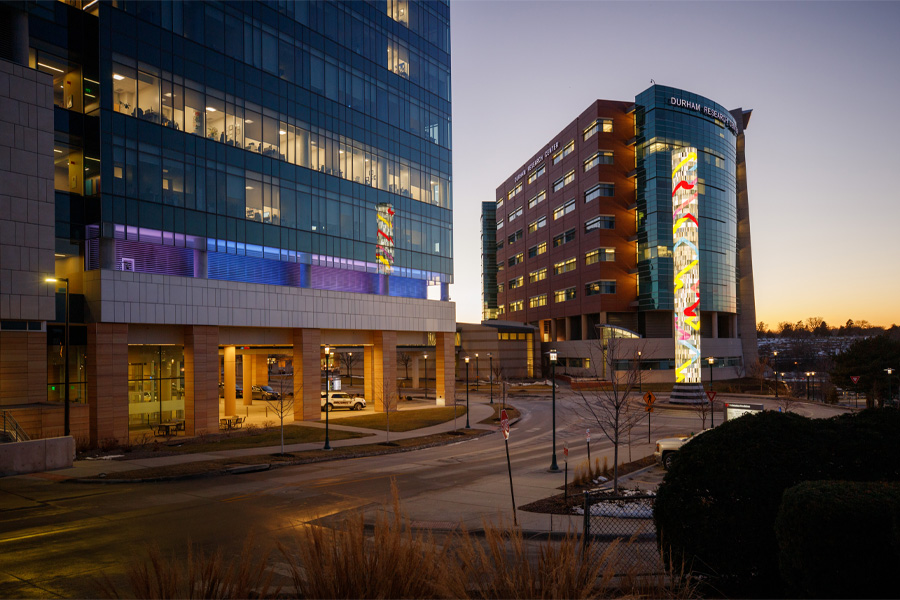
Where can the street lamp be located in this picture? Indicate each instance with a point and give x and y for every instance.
(889, 372)
(350, 367)
(425, 357)
(467, 393)
(476, 371)
(712, 405)
(553, 466)
(808, 375)
(775, 360)
(491, 359)
(640, 382)
(66, 358)
(327, 409)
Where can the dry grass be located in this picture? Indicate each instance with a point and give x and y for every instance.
(393, 560)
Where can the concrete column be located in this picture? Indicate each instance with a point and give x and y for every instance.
(714, 319)
(201, 379)
(307, 374)
(369, 373)
(553, 330)
(384, 376)
(584, 327)
(230, 382)
(445, 372)
(107, 381)
(568, 326)
(415, 371)
(261, 369)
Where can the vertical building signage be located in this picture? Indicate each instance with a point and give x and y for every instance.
(686, 237)
(384, 247)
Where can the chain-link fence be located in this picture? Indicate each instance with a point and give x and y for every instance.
(627, 520)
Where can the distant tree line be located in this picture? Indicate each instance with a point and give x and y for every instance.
(816, 327)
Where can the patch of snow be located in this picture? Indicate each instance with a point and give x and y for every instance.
(109, 457)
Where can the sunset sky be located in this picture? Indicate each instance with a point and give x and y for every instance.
(823, 80)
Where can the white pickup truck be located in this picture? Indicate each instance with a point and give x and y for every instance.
(667, 447)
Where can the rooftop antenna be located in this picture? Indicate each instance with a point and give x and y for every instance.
(653, 82)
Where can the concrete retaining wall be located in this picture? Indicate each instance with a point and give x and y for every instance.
(35, 456)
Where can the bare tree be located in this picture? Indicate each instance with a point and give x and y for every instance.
(389, 400)
(702, 409)
(616, 406)
(283, 405)
(348, 361)
(404, 359)
(502, 381)
(758, 369)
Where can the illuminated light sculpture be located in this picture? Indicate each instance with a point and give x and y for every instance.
(686, 236)
(384, 246)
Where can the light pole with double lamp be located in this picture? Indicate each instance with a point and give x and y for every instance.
(808, 375)
(66, 356)
(425, 358)
(467, 393)
(775, 360)
(712, 404)
(491, 359)
(889, 372)
(553, 466)
(327, 407)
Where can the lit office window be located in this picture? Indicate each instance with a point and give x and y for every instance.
(501, 287)
(513, 192)
(514, 237)
(514, 260)
(604, 125)
(539, 275)
(600, 222)
(564, 238)
(600, 255)
(536, 301)
(501, 308)
(537, 199)
(535, 225)
(515, 214)
(564, 209)
(536, 250)
(536, 173)
(516, 305)
(516, 283)
(561, 154)
(564, 181)
(604, 157)
(564, 266)
(604, 286)
(564, 295)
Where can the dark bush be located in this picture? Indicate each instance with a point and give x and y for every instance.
(716, 508)
(838, 539)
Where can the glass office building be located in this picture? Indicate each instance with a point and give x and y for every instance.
(263, 165)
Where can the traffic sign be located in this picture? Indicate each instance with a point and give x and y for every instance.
(712, 395)
(566, 452)
(587, 435)
(649, 398)
(854, 379)
(504, 424)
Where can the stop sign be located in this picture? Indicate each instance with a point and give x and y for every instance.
(504, 424)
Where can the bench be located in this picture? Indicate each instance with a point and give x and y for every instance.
(167, 429)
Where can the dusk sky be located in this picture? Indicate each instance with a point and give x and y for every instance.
(823, 80)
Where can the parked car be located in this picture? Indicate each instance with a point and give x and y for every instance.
(264, 392)
(667, 448)
(238, 391)
(343, 400)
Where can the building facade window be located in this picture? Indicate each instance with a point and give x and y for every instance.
(604, 286)
(564, 238)
(499, 223)
(566, 150)
(536, 173)
(501, 309)
(605, 190)
(539, 275)
(516, 282)
(604, 157)
(513, 192)
(515, 214)
(514, 260)
(600, 255)
(514, 237)
(536, 301)
(537, 199)
(564, 266)
(564, 181)
(600, 222)
(564, 209)
(537, 250)
(564, 295)
(535, 225)
(501, 288)
(516, 305)
(604, 125)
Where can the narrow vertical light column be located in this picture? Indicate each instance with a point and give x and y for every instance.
(230, 382)
(686, 238)
(384, 245)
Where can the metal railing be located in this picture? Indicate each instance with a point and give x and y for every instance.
(11, 431)
(627, 520)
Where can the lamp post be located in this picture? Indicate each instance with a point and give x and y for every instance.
(775, 360)
(491, 359)
(553, 466)
(467, 393)
(477, 372)
(425, 357)
(640, 382)
(808, 374)
(712, 405)
(350, 367)
(889, 372)
(66, 357)
(327, 409)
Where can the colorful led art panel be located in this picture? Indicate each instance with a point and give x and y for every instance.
(384, 247)
(686, 237)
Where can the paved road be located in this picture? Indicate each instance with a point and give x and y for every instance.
(55, 537)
